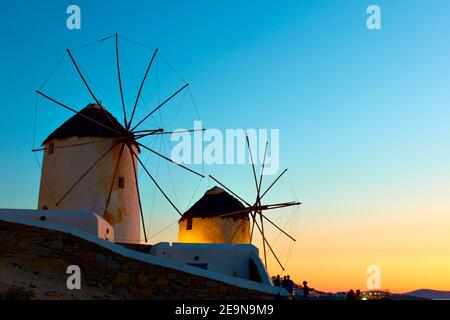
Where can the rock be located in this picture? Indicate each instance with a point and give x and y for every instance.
(146, 293)
(172, 276)
(58, 244)
(43, 252)
(132, 289)
(100, 258)
(223, 288)
(162, 281)
(211, 284)
(198, 282)
(121, 278)
(121, 291)
(68, 242)
(142, 280)
(54, 294)
(134, 265)
(112, 264)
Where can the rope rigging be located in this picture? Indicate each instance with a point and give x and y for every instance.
(126, 139)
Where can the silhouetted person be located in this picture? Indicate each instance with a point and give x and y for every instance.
(289, 285)
(358, 294)
(350, 295)
(277, 282)
(305, 290)
(284, 283)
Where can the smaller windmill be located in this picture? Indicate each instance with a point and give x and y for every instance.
(257, 208)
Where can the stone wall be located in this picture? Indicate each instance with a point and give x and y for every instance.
(42, 255)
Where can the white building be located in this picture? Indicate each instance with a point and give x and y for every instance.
(237, 260)
(86, 221)
(67, 183)
(204, 221)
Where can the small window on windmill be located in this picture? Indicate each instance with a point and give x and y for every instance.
(189, 224)
(121, 182)
(51, 148)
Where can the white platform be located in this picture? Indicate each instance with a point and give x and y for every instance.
(229, 259)
(83, 220)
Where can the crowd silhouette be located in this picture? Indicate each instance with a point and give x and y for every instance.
(289, 285)
(352, 295)
(305, 292)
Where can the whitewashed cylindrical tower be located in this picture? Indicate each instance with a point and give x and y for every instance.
(78, 170)
(204, 221)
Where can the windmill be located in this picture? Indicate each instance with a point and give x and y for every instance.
(124, 142)
(257, 208)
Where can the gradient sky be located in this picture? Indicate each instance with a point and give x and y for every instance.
(363, 117)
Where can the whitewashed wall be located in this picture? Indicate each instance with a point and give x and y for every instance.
(214, 230)
(82, 220)
(65, 166)
(227, 259)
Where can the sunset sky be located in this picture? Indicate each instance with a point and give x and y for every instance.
(363, 118)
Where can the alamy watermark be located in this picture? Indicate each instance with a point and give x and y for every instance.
(73, 21)
(373, 21)
(374, 279)
(213, 146)
(74, 280)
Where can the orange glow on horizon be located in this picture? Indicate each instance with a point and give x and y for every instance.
(413, 253)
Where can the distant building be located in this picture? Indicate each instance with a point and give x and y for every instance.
(204, 221)
(376, 295)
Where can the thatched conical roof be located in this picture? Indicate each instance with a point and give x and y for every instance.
(79, 126)
(215, 202)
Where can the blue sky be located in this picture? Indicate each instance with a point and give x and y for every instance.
(363, 115)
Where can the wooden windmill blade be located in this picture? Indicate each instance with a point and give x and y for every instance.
(89, 89)
(140, 89)
(133, 155)
(156, 183)
(229, 190)
(180, 131)
(76, 112)
(258, 201)
(158, 107)
(170, 160)
(119, 79)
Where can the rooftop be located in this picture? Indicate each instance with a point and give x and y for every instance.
(79, 126)
(214, 202)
